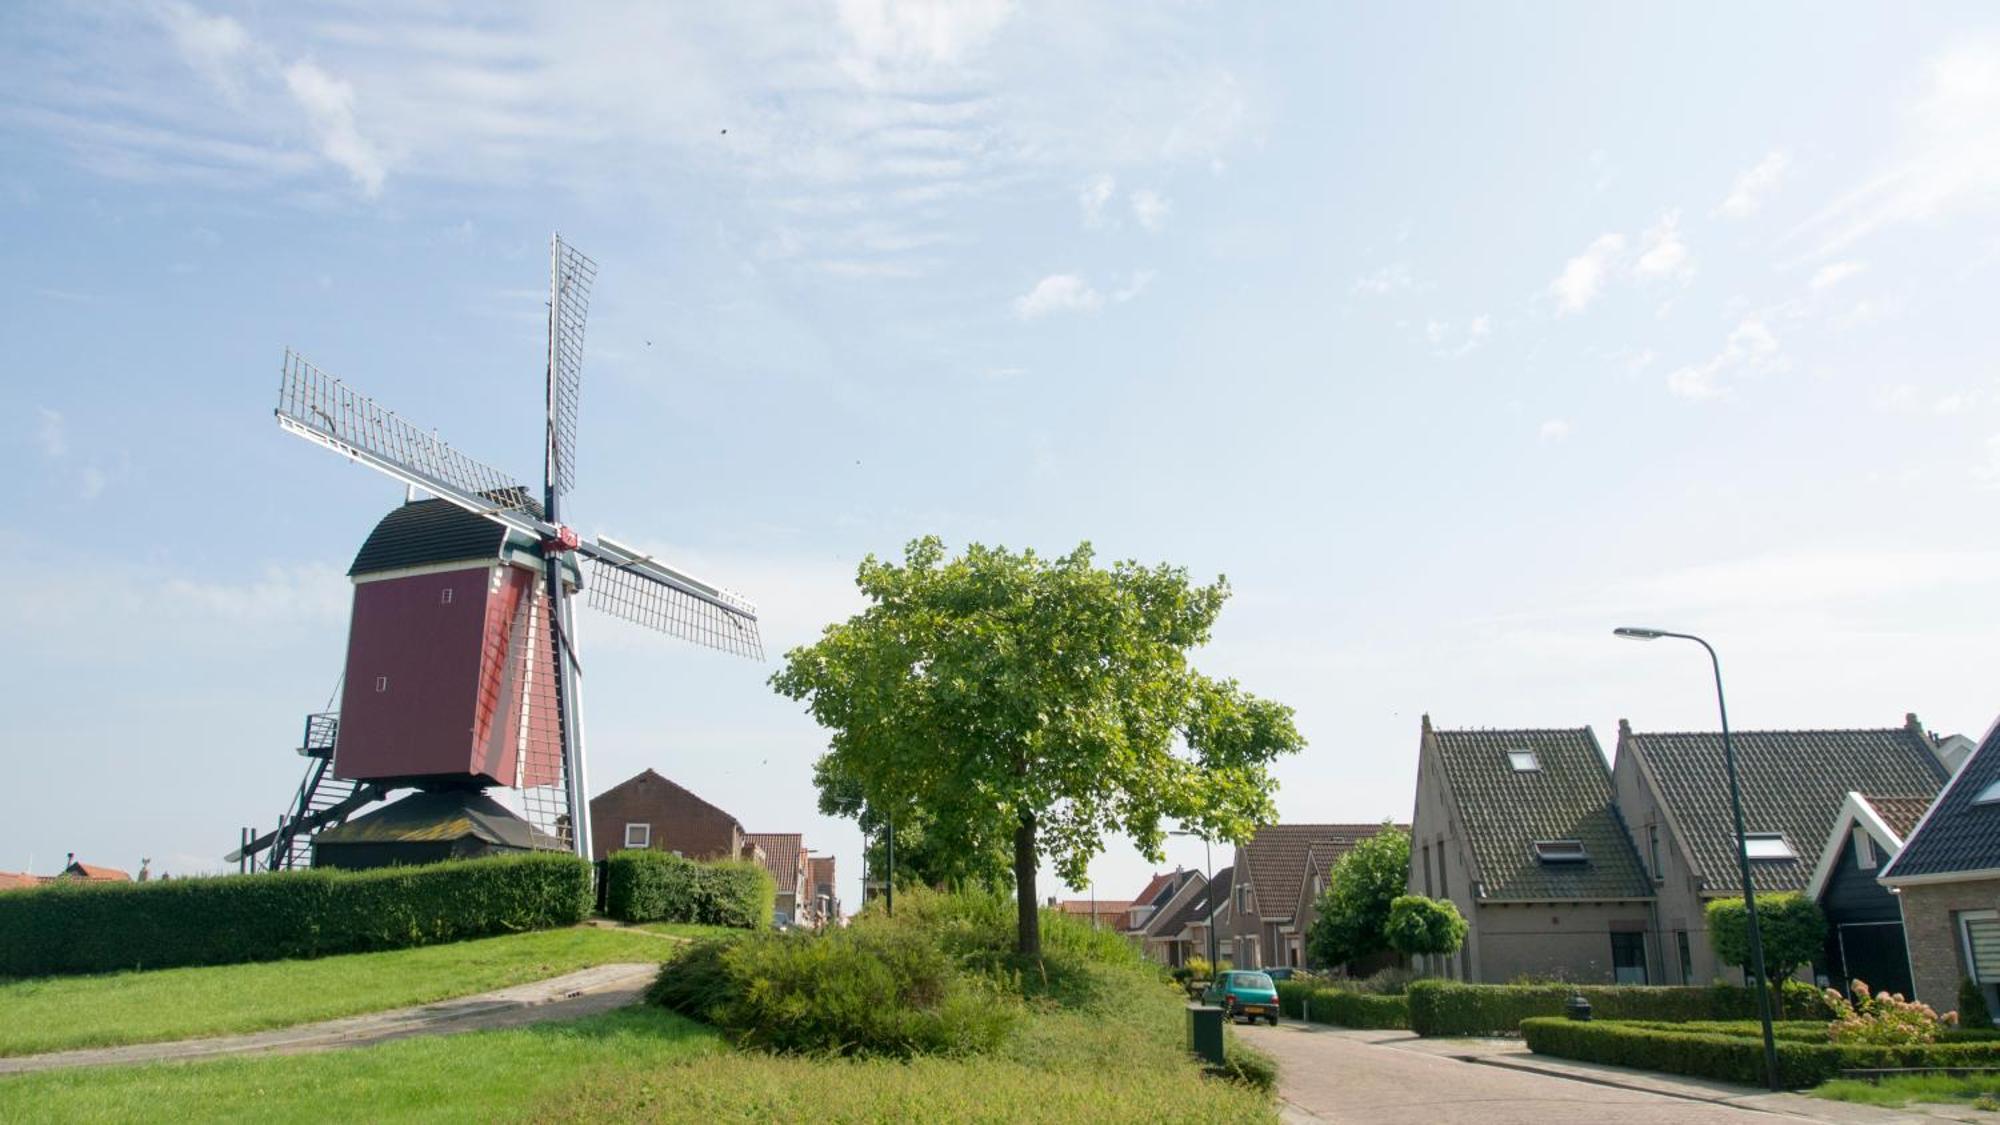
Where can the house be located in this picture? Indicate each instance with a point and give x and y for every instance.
(1156, 894)
(1674, 793)
(1097, 913)
(1269, 904)
(784, 856)
(649, 811)
(1864, 924)
(1947, 879)
(1160, 935)
(825, 899)
(1517, 828)
(91, 872)
(18, 881)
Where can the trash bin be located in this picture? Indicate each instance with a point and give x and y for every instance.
(1205, 1032)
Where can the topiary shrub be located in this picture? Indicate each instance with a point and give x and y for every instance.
(1341, 1007)
(1972, 1010)
(649, 886)
(1739, 1058)
(1441, 1007)
(77, 927)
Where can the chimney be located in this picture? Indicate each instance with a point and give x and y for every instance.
(70, 862)
(1052, 902)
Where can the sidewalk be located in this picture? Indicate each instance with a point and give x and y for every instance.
(582, 993)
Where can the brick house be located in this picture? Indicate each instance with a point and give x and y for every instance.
(825, 899)
(1947, 879)
(1170, 932)
(1270, 908)
(1517, 828)
(649, 811)
(92, 873)
(1864, 922)
(1097, 913)
(1674, 794)
(1158, 892)
(784, 856)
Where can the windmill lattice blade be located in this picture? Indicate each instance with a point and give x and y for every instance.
(317, 406)
(569, 297)
(719, 622)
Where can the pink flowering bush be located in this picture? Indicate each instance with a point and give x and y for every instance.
(1884, 1018)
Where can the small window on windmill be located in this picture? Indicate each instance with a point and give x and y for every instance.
(381, 683)
(444, 596)
(1561, 851)
(1523, 761)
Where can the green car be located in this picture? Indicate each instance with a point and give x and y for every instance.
(1244, 995)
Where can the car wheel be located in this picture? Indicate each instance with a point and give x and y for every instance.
(1274, 1021)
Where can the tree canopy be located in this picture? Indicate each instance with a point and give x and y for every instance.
(1419, 925)
(1044, 701)
(1791, 925)
(1352, 914)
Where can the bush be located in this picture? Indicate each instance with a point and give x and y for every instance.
(649, 886)
(1419, 926)
(1884, 1017)
(1737, 1058)
(1341, 1007)
(1440, 1007)
(77, 927)
(1972, 1009)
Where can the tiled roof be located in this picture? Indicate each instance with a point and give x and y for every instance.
(1793, 781)
(783, 853)
(647, 778)
(11, 881)
(1102, 907)
(1899, 813)
(1194, 908)
(427, 532)
(1276, 859)
(1160, 885)
(1187, 887)
(1960, 834)
(93, 872)
(1505, 811)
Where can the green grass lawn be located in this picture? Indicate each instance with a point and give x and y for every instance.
(1896, 1092)
(690, 930)
(57, 1013)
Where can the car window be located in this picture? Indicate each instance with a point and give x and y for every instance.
(1252, 980)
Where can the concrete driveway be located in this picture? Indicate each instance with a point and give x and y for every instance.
(1329, 1074)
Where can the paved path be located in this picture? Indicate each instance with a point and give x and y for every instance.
(1328, 1074)
(582, 993)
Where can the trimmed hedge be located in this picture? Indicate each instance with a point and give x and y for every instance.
(1736, 1058)
(649, 886)
(1342, 1007)
(78, 927)
(1443, 1007)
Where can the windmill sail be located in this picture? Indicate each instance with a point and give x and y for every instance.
(627, 584)
(570, 275)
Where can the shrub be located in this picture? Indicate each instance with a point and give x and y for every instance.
(1792, 929)
(1738, 1058)
(1350, 914)
(1246, 1064)
(76, 927)
(1341, 1007)
(1439, 1007)
(649, 886)
(1419, 925)
(1972, 1009)
(1882, 1018)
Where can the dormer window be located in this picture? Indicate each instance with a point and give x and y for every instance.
(1989, 795)
(1767, 845)
(1561, 851)
(1523, 761)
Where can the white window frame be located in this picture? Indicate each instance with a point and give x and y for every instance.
(1515, 758)
(1864, 850)
(645, 835)
(1783, 851)
(444, 596)
(1561, 852)
(1965, 940)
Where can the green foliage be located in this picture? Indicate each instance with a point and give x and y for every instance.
(1249, 1066)
(77, 927)
(650, 886)
(1972, 1009)
(929, 852)
(1737, 1058)
(1419, 925)
(1341, 1007)
(1037, 705)
(1884, 1017)
(1353, 911)
(1791, 925)
(1445, 1008)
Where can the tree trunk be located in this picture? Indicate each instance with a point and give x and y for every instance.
(1028, 942)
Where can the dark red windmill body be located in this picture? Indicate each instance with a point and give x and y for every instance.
(461, 670)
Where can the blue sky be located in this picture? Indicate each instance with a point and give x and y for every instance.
(1453, 335)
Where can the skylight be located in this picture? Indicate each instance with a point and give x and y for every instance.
(1767, 845)
(1561, 851)
(1989, 795)
(1523, 760)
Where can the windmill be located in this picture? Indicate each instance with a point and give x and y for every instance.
(462, 670)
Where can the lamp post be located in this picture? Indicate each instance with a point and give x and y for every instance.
(1742, 845)
(1208, 872)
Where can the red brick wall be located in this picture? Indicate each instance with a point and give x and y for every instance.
(682, 822)
(1930, 925)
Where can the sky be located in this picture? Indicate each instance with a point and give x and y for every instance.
(1453, 335)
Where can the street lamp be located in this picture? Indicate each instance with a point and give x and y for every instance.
(1208, 873)
(1742, 845)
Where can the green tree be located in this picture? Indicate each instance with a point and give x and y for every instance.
(1045, 702)
(928, 852)
(1353, 911)
(1419, 925)
(1793, 929)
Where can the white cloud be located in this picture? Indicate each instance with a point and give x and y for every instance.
(1661, 251)
(1059, 292)
(1140, 280)
(215, 46)
(1753, 187)
(889, 32)
(1583, 276)
(1553, 430)
(52, 433)
(329, 105)
(1389, 279)
(1450, 342)
(1834, 273)
(1751, 348)
(1945, 162)
(1094, 196)
(1150, 208)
